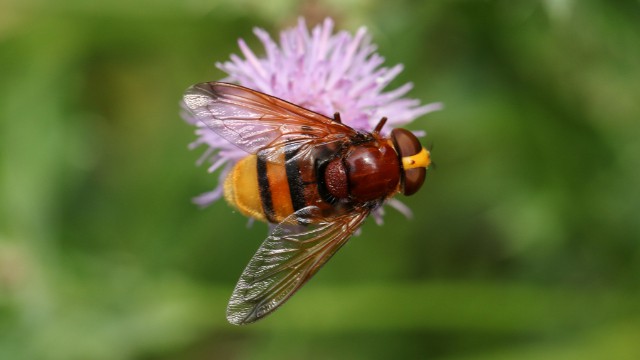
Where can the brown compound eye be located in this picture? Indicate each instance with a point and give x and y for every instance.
(411, 155)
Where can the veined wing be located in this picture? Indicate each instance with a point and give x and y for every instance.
(254, 121)
(287, 259)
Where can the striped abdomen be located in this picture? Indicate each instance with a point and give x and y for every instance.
(272, 191)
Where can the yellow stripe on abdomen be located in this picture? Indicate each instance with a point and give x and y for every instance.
(259, 189)
(241, 188)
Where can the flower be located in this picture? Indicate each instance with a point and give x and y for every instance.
(323, 72)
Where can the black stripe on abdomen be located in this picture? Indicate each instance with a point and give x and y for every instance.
(263, 187)
(296, 185)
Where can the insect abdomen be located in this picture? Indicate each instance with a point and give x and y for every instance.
(272, 190)
(260, 189)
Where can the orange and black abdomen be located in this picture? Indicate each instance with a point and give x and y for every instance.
(260, 189)
(271, 191)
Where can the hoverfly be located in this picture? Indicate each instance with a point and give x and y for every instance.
(313, 178)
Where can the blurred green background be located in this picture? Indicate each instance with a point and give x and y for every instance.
(526, 238)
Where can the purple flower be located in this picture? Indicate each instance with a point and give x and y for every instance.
(323, 72)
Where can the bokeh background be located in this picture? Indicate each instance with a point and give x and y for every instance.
(526, 238)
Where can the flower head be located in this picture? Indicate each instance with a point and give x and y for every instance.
(322, 71)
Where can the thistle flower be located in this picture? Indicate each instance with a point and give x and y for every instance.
(322, 71)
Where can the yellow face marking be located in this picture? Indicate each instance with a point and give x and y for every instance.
(421, 159)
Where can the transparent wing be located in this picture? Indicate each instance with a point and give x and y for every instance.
(289, 257)
(254, 121)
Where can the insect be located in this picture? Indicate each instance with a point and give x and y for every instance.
(313, 178)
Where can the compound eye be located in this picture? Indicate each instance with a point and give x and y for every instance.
(411, 151)
(413, 180)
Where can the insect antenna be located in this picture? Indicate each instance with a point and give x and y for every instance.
(336, 118)
(380, 125)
